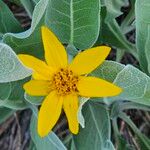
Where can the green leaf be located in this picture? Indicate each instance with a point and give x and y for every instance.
(29, 6)
(113, 8)
(81, 120)
(143, 141)
(29, 42)
(128, 24)
(16, 98)
(36, 1)
(119, 55)
(111, 33)
(135, 85)
(72, 51)
(5, 113)
(109, 146)
(38, 13)
(121, 106)
(74, 22)
(8, 22)
(11, 69)
(17, 2)
(96, 134)
(133, 82)
(51, 141)
(122, 144)
(142, 12)
(35, 100)
(24, 44)
(108, 70)
(31, 146)
(5, 90)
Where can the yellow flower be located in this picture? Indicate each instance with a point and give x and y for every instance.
(62, 82)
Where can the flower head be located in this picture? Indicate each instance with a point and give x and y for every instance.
(62, 82)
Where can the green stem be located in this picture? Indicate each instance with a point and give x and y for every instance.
(119, 55)
(67, 139)
(129, 19)
(115, 127)
(142, 137)
(132, 105)
(128, 46)
(127, 119)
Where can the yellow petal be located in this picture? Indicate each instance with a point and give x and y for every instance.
(70, 106)
(36, 65)
(95, 87)
(38, 76)
(55, 53)
(49, 113)
(90, 59)
(37, 87)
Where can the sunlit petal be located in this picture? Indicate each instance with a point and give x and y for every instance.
(36, 65)
(70, 106)
(90, 59)
(49, 113)
(37, 87)
(55, 53)
(38, 76)
(95, 87)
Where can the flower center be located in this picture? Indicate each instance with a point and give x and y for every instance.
(65, 82)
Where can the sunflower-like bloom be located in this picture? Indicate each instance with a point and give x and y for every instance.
(62, 82)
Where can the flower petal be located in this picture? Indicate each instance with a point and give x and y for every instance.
(49, 113)
(37, 87)
(90, 59)
(95, 87)
(37, 65)
(70, 106)
(55, 53)
(37, 76)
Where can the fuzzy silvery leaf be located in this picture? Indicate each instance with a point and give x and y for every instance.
(8, 23)
(11, 69)
(142, 23)
(74, 22)
(51, 141)
(97, 131)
